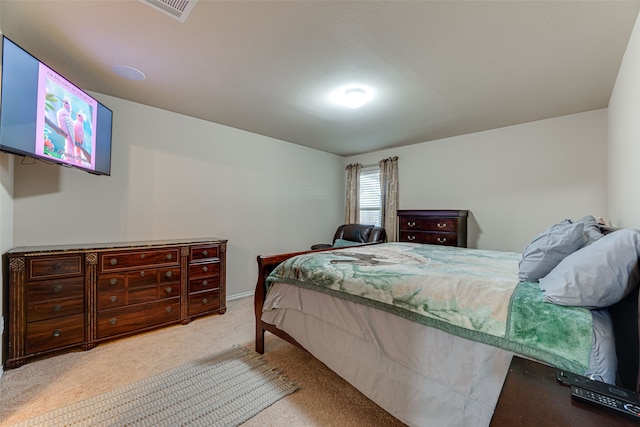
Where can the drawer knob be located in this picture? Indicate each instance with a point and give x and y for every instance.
(169, 273)
(169, 256)
(113, 281)
(113, 298)
(113, 321)
(57, 307)
(113, 261)
(168, 309)
(411, 223)
(205, 283)
(205, 268)
(57, 333)
(442, 240)
(205, 252)
(57, 266)
(142, 273)
(169, 289)
(442, 225)
(411, 238)
(142, 256)
(57, 288)
(204, 300)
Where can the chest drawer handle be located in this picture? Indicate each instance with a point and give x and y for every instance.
(113, 321)
(57, 288)
(169, 273)
(411, 223)
(57, 266)
(56, 333)
(169, 256)
(442, 225)
(113, 298)
(113, 281)
(204, 300)
(411, 238)
(205, 268)
(205, 283)
(442, 239)
(205, 252)
(168, 290)
(57, 307)
(113, 261)
(142, 273)
(168, 309)
(143, 256)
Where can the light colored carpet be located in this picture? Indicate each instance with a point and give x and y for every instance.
(224, 389)
(323, 398)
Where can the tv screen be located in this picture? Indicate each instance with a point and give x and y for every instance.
(45, 116)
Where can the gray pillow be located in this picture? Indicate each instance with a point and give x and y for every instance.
(591, 229)
(597, 275)
(548, 248)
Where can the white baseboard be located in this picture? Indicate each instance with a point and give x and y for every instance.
(242, 295)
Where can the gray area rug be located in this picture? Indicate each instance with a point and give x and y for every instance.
(224, 389)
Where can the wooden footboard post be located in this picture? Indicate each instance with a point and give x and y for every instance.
(258, 303)
(266, 264)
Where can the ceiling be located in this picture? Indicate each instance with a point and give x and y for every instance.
(437, 68)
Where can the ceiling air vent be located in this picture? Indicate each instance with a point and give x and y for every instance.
(178, 9)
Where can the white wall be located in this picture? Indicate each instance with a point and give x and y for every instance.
(516, 181)
(174, 176)
(624, 139)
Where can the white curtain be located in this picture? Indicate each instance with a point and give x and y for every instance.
(389, 198)
(352, 209)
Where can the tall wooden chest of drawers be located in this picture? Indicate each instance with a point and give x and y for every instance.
(64, 297)
(437, 227)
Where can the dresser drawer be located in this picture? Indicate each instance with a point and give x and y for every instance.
(197, 285)
(111, 299)
(204, 269)
(112, 281)
(49, 309)
(127, 319)
(138, 259)
(59, 266)
(57, 288)
(55, 333)
(204, 252)
(447, 239)
(203, 302)
(169, 275)
(429, 224)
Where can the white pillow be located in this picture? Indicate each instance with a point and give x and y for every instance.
(591, 229)
(548, 248)
(597, 275)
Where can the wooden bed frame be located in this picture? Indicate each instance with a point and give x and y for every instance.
(624, 315)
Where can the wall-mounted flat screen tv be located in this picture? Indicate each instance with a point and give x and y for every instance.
(45, 116)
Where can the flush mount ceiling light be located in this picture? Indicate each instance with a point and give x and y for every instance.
(128, 72)
(352, 96)
(355, 97)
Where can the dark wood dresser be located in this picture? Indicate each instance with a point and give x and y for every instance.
(437, 227)
(64, 297)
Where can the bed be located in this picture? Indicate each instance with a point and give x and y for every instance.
(427, 332)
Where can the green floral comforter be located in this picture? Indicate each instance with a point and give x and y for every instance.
(471, 293)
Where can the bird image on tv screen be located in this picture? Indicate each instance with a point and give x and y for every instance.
(66, 117)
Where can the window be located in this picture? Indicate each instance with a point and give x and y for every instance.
(370, 204)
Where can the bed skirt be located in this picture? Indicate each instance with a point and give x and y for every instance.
(421, 375)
